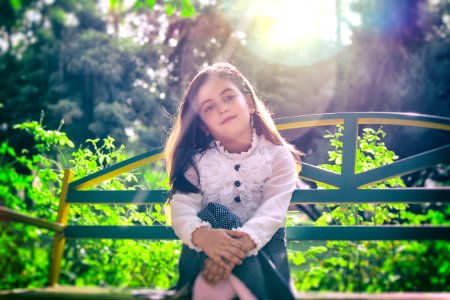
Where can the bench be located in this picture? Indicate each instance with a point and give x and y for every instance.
(348, 189)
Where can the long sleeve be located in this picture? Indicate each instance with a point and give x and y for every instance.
(277, 192)
(184, 209)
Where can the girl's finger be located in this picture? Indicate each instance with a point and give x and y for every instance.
(226, 274)
(231, 258)
(207, 265)
(205, 272)
(232, 255)
(205, 275)
(234, 233)
(238, 252)
(236, 244)
(235, 252)
(218, 275)
(214, 273)
(213, 268)
(218, 260)
(209, 276)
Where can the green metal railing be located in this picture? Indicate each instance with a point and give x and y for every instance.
(348, 186)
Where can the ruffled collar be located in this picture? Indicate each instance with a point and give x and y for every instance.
(238, 156)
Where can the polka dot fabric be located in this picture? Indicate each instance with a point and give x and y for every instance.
(266, 274)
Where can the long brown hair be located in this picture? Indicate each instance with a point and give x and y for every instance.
(187, 138)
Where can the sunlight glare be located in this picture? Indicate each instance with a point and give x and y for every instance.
(301, 21)
(299, 32)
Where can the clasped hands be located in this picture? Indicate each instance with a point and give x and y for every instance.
(225, 249)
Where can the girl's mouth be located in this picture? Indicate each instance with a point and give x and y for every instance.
(227, 120)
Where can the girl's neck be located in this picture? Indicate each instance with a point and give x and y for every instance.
(238, 144)
(237, 147)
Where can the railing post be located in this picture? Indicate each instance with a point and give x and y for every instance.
(59, 239)
(349, 152)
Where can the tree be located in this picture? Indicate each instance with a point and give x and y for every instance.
(71, 67)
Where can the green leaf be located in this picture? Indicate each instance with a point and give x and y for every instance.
(70, 144)
(11, 151)
(170, 9)
(187, 9)
(16, 4)
(150, 3)
(113, 3)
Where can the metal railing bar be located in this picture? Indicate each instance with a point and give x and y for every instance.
(7, 214)
(351, 233)
(317, 174)
(397, 195)
(404, 166)
(118, 197)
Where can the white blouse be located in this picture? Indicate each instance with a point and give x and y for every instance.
(255, 185)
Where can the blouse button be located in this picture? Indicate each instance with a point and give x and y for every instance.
(237, 167)
(237, 183)
(237, 199)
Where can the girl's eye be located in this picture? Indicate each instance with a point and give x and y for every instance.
(209, 107)
(229, 97)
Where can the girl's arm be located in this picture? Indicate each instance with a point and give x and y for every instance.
(184, 209)
(277, 192)
(197, 234)
(218, 244)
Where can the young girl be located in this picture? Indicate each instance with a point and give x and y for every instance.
(232, 177)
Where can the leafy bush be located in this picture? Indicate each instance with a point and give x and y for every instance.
(371, 266)
(25, 250)
(30, 184)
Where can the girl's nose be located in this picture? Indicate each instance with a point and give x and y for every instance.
(223, 108)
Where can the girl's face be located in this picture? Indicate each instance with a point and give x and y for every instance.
(225, 111)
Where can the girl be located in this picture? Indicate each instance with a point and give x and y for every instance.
(232, 176)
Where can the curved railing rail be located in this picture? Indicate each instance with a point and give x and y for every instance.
(351, 121)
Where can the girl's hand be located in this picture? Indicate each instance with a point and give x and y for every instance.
(246, 242)
(214, 273)
(220, 246)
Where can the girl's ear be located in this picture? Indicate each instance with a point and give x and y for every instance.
(251, 104)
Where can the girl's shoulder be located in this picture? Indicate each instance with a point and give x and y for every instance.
(272, 148)
(280, 155)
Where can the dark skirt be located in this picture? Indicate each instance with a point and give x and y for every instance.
(266, 274)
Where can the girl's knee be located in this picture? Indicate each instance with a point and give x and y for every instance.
(204, 291)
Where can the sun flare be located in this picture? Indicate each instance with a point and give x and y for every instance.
(301, 21)
(299, 31)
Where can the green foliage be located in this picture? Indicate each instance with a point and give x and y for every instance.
(184, 7)
(370, 154)
(30, 184)
(35, 188)
(15, 4)
(369, 265)
(66, 61)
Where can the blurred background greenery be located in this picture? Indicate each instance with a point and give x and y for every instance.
(117, 68)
